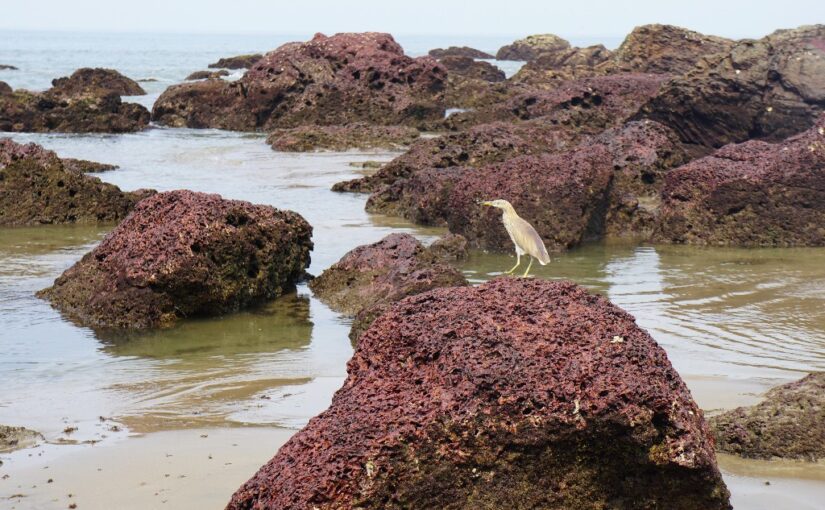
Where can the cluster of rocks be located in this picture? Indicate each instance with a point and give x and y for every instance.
(341, 138)
(88, 101)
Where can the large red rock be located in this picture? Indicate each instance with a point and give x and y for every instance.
(770, 89)
(750, 194)
(184, 254)
(327, 81)
(37, 187)
(518, 393)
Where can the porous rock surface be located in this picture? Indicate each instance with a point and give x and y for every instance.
(96, 81)
(469, 68)
(334, 80)
(184, 254)
(342, 138)
(37, 187)
(518, 394)
(750, 194)
(789, 423)
(531, 47)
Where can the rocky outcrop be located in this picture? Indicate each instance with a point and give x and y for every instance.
(88, 101)
(342, 138)
(96, 82)
(789, 423)
(16, 438)
(750, 194)
(469, 68)
(518, 393)
(459, 51)
(371, 277)
(333, 80)
(184, 254)
(770, 89)
(605, 186)
(451, 247)
(237, 62)
(37, 187)
(531, 47)
(207, 75)
(549, 69)
(5, 89)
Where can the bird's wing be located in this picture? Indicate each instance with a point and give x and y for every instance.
(526, 236)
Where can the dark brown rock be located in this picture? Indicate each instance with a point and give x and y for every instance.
(750, 194)
(37, 187)
(5, 89)
(16, 438)
(549, 69)
(184, 254)
(86, 166)
(237, 62)
(473, 93)
(532, 46)
(450, 247)
(518, 393)
(6, 67)
(333, 80)
(459, 51)
(96, 82)
(770, 89)
(469, 68)
(789, 423)
(342, 138)
(207, 75)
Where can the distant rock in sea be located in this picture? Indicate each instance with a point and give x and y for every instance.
(5, 67)
(459, 51)
(207, 75)
(236, 62)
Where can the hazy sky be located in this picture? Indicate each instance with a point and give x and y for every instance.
(733, 18)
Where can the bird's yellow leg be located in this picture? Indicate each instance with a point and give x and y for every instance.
(518, 263)
(528, 267)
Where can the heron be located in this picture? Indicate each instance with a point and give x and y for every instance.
(525, 238)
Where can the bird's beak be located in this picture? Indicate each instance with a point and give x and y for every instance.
(487, 203)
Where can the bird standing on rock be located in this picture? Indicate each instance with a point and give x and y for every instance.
(525, 238)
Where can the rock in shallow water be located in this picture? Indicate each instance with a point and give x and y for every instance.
(342, 138)
(789, 423)
(517, 394)
(531, 47)
(37, 187)
(15, 438)
(184, 254)
(237, 62)
(750, 194)
(458, 51)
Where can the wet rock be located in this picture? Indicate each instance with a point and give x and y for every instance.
(17, 438)
(789, 423)
(531, 47)
(6, 67)
(479, 145)
(549, 69)
(237, 62)
(96, 82)
(383, 272)
(451, 247)
(604, 186)
(184, 254)
(750, 194)
(459, 51)
(342, 138)
(770, 89)
(518, 393)
(207, 75)
(337, 80)
(86, 166)
(469, 68)
(86, 102)
(590, 104)
(37, 187)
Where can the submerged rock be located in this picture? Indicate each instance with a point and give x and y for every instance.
(207, 75)
(770, 89)
(88, 101)
(345, 78)
(370, 277)
(37, 187)
(16, 438)
(531, 47)
(237, 62)
(459, 51)
(184, 254)
(789, 423)
(750, 194)
(517, 393)
(342, 138)
(469, 68)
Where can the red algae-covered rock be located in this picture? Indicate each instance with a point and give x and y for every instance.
(469, 68)
(518, 393)
(350, 77)
(789, 423)
(751, 194)
(605, 185)
(97, 81)
(37, 187)
(459, 51)
(184, 254)
(342, 138)
(770, 89)
(237, 62)
(532, 46)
